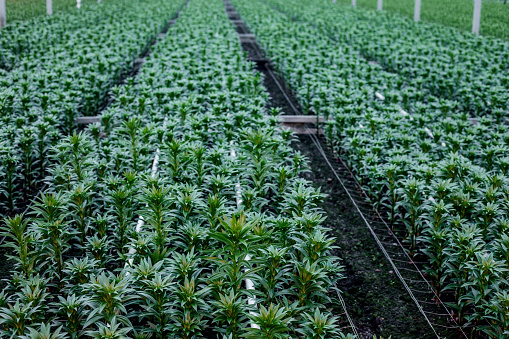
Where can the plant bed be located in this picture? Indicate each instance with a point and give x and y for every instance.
(225, 206)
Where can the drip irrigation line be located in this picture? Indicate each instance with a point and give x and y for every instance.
(437, 314)
(342, 301)
(415, 281)
(382, 248)
(282, 91)
(429, 302)
(406, 254)
(410, 270)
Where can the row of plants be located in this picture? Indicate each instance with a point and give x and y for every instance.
(181, 214)
(21, 37)
(40, 100)
(438, 177)
(451, 13)
(437, 60)
(22, 10)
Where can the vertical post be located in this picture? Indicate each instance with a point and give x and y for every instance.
(354, 3)
(78, 3)
(477, 17)
(49, 7)
(380, 4)
(3, 20)
(417, 10)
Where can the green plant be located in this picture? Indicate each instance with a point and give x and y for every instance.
(45, 333)
(319, 326)
(15, 228)
(273, 323)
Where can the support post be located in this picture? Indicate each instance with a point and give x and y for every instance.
(354, 3)
(417, 10)
(380, 5)
(477, 17)
(3, 20)
(78, 3)
(49, 7)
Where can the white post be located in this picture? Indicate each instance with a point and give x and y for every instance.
(3, 20)
(380, 4)
(98, 0)
(78, 3)
(417, 10)
(354, 3)
(49, 7)
(477, 17)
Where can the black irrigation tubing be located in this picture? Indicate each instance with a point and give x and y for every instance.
(255, 45)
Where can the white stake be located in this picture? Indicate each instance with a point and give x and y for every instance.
(78, 3)
(49, 7)
(3, 20)
(354, 3)
(477, 17)
(417, 10)
(380, 4)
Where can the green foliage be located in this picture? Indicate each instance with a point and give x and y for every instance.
(183, 212)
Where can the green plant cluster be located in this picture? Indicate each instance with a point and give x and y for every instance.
(27, 9)
(451, 13)
(37, 35)
(430, 59)
(438, 175)
(157, 218)
(52, 84)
